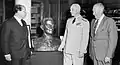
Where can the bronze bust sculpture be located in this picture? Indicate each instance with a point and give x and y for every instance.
(47, 42)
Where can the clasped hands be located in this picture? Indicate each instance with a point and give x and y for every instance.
(8, 57)
(80, 54)
(107, 60)
(60, 49)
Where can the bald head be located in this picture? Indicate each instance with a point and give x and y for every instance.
(99, 6)
(98, 10)
(76, 6)
(75, 9)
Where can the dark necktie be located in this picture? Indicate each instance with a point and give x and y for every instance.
(94, 28)
(25, 31)
(73, 20)
(24, 27)
(23, 22)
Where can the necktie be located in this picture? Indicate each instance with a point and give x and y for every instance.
(23, 22)
(25, 31)
(24, 27)
(94, 28)
(73, 20)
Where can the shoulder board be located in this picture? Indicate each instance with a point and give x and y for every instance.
(84, 19)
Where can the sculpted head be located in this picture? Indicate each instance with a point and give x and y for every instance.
(48, 25)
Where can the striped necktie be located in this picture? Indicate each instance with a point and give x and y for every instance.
(94, 28)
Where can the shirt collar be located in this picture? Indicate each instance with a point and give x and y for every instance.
(19, 20)
(101, 17)
(78, 16)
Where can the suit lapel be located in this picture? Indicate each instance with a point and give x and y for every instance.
(93, 23)
(92, 26)
(17, 25)
(101, 24)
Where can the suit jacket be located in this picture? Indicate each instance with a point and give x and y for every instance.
(76, 36)
(104, 42)
(14, 39)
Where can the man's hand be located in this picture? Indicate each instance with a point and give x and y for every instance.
(60, 49)
(107, 60)
(8, 57)
(81, 55)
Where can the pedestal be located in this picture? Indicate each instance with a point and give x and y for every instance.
(47, 58)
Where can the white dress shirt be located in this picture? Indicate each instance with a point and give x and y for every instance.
(19, 20)
(99, 21)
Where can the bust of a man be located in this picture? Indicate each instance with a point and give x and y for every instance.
(47, 42)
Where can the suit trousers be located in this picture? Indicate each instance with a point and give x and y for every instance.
(72, 59)
(100, 62)
(20, 61)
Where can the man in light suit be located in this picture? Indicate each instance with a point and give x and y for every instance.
(14, 37)
(75, 39)
(103, 37)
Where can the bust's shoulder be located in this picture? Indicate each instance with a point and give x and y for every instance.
(57, 39)
(40, 39)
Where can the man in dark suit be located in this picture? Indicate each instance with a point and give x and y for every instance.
(14, 37)
(103, 37)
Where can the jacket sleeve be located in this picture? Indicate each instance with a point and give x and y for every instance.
(85, 38)
(113, 36)
(90, 39)
(5, 33)
(63, 42)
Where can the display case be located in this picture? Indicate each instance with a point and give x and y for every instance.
(47, 58)
(36, 16)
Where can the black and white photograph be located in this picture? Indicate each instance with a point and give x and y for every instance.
(59, 32)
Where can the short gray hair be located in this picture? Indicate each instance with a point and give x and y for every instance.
(100, 5)
(77, 6)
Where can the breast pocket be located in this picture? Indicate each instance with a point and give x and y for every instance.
(103, 29)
